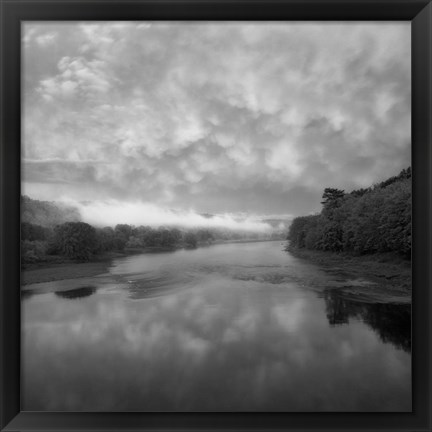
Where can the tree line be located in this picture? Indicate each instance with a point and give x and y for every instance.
(364, 221)
(81, 241)
(51, 231)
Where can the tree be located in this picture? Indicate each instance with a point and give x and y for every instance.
(176, 233)
(106, 239)
(297, 231)
(33, 251)
(190, 240)
(34, 232)
(152, 238)
(359, 192)
(205, 236)
(76, 240)
(167, 239)
(331, 197)
(134, 242)
(122, 233)
(331, 239)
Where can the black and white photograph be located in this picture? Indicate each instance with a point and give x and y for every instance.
(216, 216)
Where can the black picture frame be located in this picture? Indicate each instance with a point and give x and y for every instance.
(419, 12)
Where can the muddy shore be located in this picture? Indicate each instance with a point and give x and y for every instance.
(384, 278)
(56, 272)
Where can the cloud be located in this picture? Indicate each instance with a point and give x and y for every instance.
(46, 39)
(59, 171)
(100, 213)
(77, 76)
(208, 113)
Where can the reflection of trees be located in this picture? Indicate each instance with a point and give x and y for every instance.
(337, 309)
(77, 292)
(392, 322)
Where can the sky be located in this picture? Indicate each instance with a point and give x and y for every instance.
(240, 119)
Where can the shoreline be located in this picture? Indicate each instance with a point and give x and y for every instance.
(387, 272)
(63, 271)
(388, 276)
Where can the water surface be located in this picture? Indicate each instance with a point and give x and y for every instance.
(232, 327)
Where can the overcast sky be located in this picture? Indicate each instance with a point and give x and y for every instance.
(254, 118)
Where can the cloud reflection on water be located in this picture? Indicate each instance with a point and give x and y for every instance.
(224, 344)
(251, 352)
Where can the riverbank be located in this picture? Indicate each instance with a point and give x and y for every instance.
(61, 271)
(60, 268)
(388, 275)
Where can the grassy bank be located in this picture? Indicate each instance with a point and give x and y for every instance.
(59, 269)
(387, 270)
(63, 271)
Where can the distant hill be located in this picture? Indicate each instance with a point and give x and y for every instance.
(46, 213)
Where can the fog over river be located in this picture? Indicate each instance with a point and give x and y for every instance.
(229, 327)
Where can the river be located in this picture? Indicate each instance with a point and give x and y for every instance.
(229, 327)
